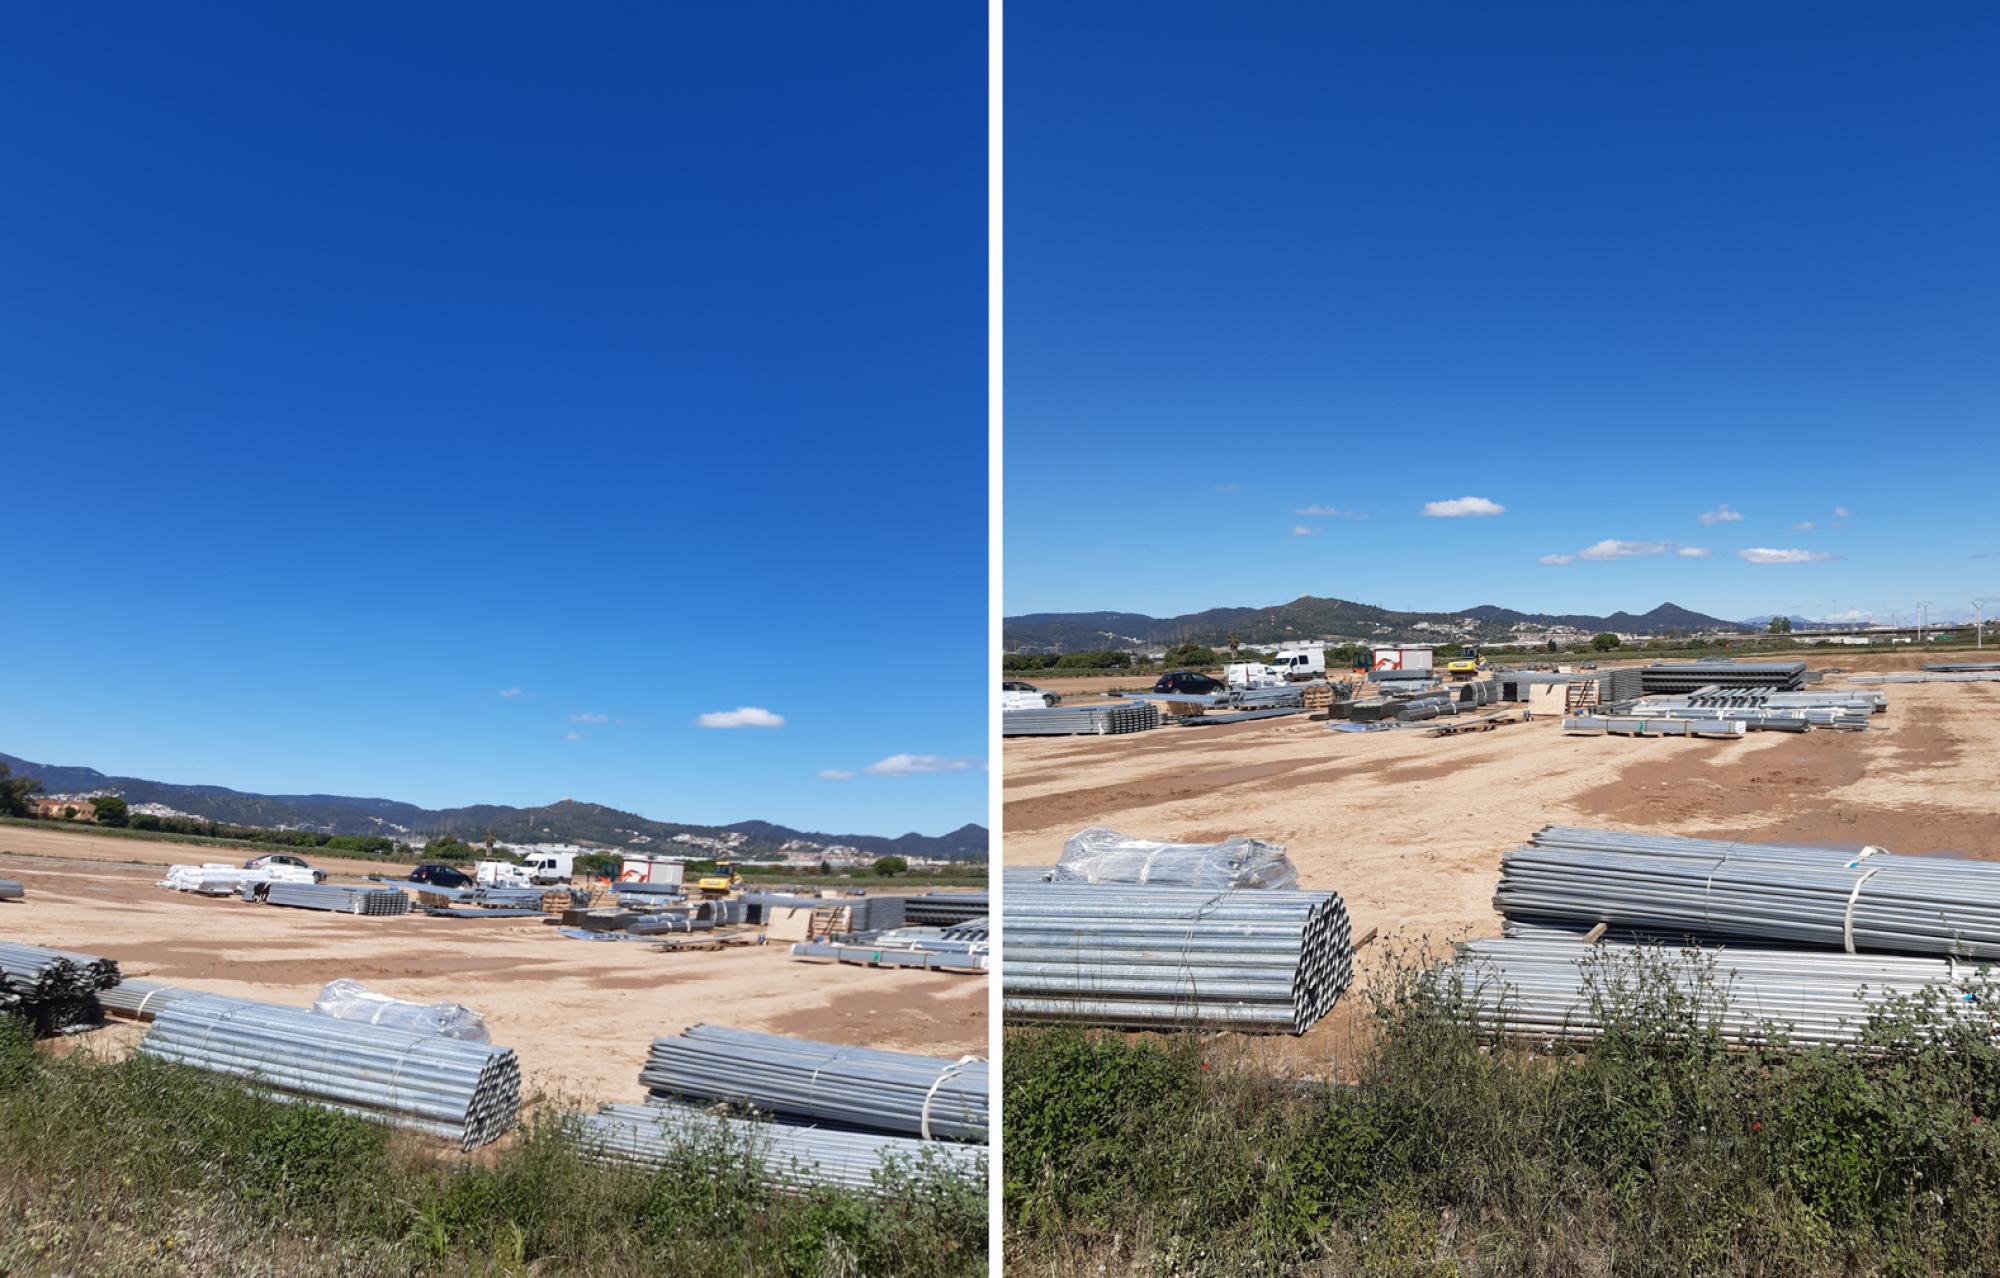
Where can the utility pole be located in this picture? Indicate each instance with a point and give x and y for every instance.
(1978, 624)
(1923, 614)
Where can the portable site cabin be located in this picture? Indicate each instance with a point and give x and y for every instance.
(1403, 657)
(646, 869)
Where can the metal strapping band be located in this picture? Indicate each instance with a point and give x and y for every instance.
(1708, 924)
(140, 1014)
(1847, 922)
(949, 1070)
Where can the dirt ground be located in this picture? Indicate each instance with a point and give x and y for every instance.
(580, 1014)
(1410, 829)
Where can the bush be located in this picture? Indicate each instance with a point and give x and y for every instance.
(111, 810)
(1659, 1145)
(1606, 642)
(136, 1166)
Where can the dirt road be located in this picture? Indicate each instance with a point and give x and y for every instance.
(580, 1014)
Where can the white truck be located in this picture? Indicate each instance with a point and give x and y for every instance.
(1300, 661)
(645, 869)
(1252, 674)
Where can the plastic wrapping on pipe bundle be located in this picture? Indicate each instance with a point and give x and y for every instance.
(1102, 855)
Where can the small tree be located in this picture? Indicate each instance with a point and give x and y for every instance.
(1781, 626)
(15, 792)
(890, 866)
(1605, 642)
(824, 868)
(111, 810)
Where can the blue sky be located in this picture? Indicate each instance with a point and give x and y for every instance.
(455, 403)
(1273, 273)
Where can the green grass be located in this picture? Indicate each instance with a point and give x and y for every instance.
(137, 1167)
(1657, 1151)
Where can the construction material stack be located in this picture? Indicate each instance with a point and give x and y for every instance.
(55, 991)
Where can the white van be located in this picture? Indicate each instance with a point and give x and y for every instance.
(1252, 674)
(1301, 664)
(504, 874)
(550, 867)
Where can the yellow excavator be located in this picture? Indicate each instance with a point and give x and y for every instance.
(1470, 665)
(721, 883)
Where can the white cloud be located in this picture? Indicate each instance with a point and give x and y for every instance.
(1841, 524)
(1300, 530)
(510, 692)
(1843, 512)
(1761, 555)
(590, 718)
(835, 774)
(572, 736)
(742, 717)
(909, 765)
(1693, 552)
(1807, 526)
(1553, 560)
(1611, 549)
(1463, 506)
(1225, 488)
(1332, 512)
(1722, 514)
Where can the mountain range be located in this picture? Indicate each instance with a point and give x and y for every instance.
(567, 821)
(1308, 617)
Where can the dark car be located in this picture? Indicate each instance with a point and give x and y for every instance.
(443, 876)
(1015, 685)
(280, 858)
(1189, 682)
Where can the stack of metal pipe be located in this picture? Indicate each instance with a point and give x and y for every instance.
(468, 1092)
(1769, 892)
(798, 1158)
(10, 890)
(341, 899)
(1963, 676)
(55, 991)
(1099, 720)
(1262, 961)
(1552, 986)
(142, 1000)
(1687, 676)
(926, 1096)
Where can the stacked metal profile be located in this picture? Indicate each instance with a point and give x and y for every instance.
(1554, 986)
(1261, 961)
(1061, 721)
(10, 890)
(1621, 684)
(55, 991)
(1961, 667)
(1765, 892)
(1789, 676)
(341, 899)
(944, 909)
(468, 1092)
(973, 930)
(800, 1158)
(929, 1096)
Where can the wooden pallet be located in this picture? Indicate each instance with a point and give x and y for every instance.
(1318, 698)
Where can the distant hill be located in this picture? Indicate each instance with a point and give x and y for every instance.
(1661, 619)
(566, 822)
(1308, 617)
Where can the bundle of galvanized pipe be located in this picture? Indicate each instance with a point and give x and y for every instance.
(468, 1092)
(10, 890)
(659, 924)
(1556, 986)
(943, 909)
(142, 1000)
(1962, 667)
(798, 1158)
(927, 1096)
(1770, 892)
(341, 899)
(1101, 720)
(55, 991)
(1260, 961)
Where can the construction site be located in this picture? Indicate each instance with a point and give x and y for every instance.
(456, 1011)
(1408, 816)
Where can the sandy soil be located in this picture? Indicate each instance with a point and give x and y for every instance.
(1410, 829)
(580, 1014)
